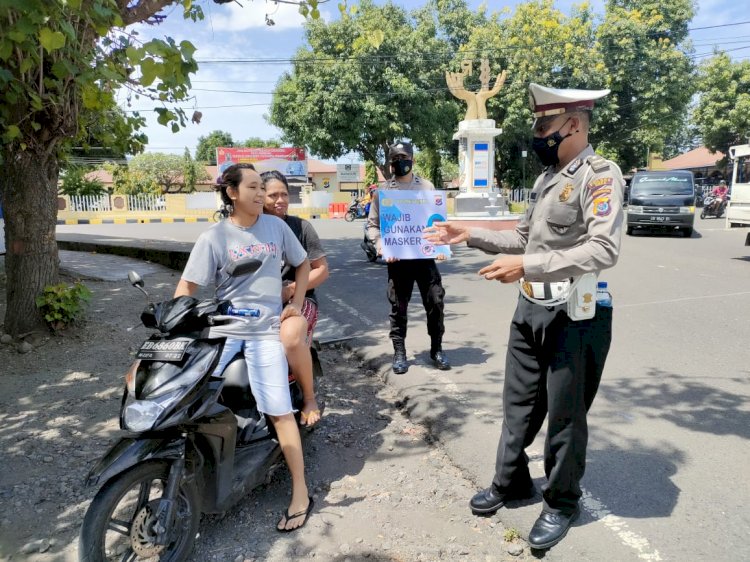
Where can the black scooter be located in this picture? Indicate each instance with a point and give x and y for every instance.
(714, 206)
(197, 444)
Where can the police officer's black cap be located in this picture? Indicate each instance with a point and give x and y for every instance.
(400, 148)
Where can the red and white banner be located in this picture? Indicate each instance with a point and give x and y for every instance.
(291, 162)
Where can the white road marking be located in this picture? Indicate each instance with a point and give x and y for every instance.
(619, 526)
(702, 297)
(600, 512)
(350, 310)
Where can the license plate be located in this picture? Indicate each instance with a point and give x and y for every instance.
(660, 219)
(163, 350)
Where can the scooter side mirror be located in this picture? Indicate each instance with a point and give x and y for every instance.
(135, 279)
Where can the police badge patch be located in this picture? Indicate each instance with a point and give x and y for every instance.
(573, 168)
(565, 193)
(602, 207)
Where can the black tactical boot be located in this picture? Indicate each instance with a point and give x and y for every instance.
(439, 359)
(400, 366)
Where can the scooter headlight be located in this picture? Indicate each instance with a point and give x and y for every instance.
(141, 415)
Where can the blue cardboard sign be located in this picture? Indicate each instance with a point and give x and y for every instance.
(403, 215)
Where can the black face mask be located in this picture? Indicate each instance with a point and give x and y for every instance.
(546, 147)
(401, 167)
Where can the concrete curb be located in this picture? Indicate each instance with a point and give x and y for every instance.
(173, 255)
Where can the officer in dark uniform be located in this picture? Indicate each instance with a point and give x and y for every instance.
(573, 226)
(403, 273)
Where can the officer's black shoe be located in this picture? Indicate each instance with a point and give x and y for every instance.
(440, 360)
(400, 365)
(550, 529)
(489, 500)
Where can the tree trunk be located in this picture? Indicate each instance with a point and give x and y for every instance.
(28, 188)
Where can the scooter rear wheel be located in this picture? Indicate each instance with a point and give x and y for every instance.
(119, 523)
(350, 216)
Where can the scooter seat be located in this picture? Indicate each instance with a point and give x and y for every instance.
(237, 396)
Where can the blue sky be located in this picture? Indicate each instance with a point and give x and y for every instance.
(230, 32)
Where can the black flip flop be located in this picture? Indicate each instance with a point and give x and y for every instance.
(288, 517)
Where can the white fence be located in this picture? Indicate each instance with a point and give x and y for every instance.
(146, 203)
(89, 203)
(518, 195)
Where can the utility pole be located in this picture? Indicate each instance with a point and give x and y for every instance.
(524, 154)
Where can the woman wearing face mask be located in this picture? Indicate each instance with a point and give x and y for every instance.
(554, 362)
(402, 274)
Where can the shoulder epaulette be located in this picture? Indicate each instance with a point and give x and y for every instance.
(597, 163)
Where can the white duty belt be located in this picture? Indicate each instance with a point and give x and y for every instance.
(547, 294)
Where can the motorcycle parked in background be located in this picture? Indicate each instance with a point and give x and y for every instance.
(356, 211)
(196, 442)
(714, 206)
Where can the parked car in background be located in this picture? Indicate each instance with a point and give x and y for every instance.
(663, 200)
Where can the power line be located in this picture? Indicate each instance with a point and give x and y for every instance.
(717, 26)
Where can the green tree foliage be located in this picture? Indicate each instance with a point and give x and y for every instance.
(155, 172)
(131, 182)
(438, 166)
(257, 142)
(371, 173)
(536, 43)
(723, 111)
(364, 81)
(645, 48)
(62, 62)
(685, 138)
(206, 150)
(75, 182)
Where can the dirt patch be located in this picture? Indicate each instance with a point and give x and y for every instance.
(383, 489)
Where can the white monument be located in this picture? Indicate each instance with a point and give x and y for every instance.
(476, 149)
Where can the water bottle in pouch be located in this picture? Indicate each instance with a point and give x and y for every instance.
(603, 298)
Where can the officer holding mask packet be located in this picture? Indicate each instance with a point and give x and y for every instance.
(554, 363)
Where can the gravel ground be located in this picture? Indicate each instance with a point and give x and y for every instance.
(383, 489)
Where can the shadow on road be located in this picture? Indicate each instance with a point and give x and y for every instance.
(688, 403)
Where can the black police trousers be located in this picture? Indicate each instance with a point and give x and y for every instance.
(553, 367)
(401, 277)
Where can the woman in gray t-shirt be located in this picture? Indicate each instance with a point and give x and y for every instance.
(249, 233)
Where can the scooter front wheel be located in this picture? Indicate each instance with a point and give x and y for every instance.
(121, 520)
(350, 216)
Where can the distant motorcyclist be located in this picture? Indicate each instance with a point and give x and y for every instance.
(719, 193)
(720, 190)
(367, 199)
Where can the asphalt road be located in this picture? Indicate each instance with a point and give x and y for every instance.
(668, 451)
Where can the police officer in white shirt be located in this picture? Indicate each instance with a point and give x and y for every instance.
(554, 363)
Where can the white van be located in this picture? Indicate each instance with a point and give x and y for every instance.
(738, 210)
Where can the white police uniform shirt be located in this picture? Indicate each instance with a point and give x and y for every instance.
(573, 224)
